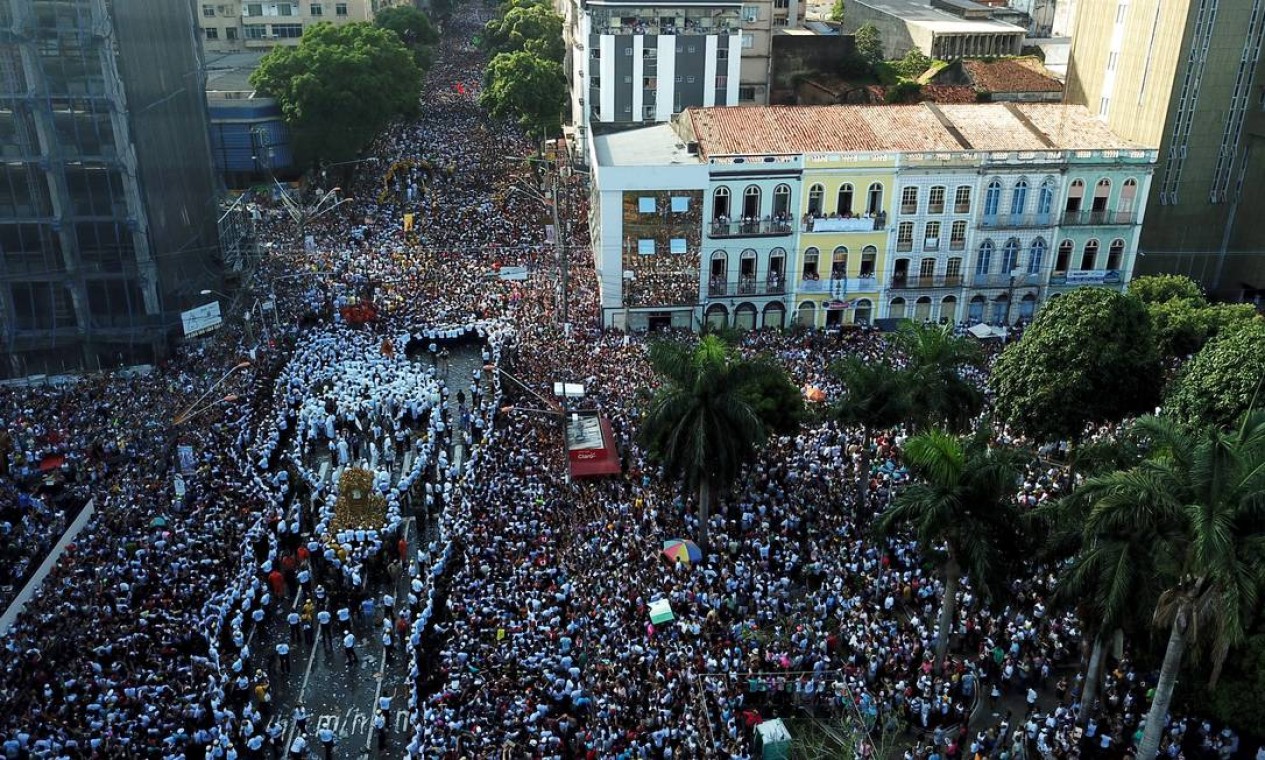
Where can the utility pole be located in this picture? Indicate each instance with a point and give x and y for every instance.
(561, 241)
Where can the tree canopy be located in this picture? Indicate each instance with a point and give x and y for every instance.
(1223, 379)
(938, 394)
(412, 27)
(340, 86)
(1181, 316)
(868, 43)
(1089, 356)
(528, 89)
(533, 27)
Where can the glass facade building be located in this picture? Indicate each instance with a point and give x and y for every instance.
(108, 196)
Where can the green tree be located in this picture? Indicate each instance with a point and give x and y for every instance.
(962, 497)
(938, 393)
(776, 399)
(913, 64)
(836, 12)
(339, 87)
(874, 398)
(1089, 356)
(1223, 379)
(869, 45)
(701, 424)
(1160, 288)
(413, 28)
(535, 28)
(1198, 497)
(528, 89)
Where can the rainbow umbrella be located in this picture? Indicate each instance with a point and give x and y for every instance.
(682, 549)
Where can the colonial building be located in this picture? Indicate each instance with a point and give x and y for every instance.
(825, 216)
(234, 25)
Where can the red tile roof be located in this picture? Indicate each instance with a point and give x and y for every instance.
(1011, 75)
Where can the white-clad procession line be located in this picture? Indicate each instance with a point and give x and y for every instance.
(382, 665)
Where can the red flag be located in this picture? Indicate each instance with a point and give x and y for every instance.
(461, 88)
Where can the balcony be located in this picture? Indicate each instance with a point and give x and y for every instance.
(1016, 221)
(845, 224)
(939, 281)
(723, 228)
(1098, 218)
(999, 280)
(839, 286)
(748, 286)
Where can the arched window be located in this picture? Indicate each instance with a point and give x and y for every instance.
(815, 195)
(1019, 198)
(861, 315)
(984, 262)
(839, 263)
(717, 315)
(777, 271)
(949, 309)
(720, 204)
(807, 314)
(869, 257)
(1089, 255)
(782, 202)
(1102, 192)
(751, 203)
(747, 265)
(744, 316)
(843, 200)
(909, 199)
(1115, 254)
(1045, 201)
(875, 203)
(975, 311)
(922, 309)
(896, 309)
(1036, 256)
(718, 274)
(1027, 307)
(1000, 313)
(1010, 256)
(810, 263)
(775, 314)
(1128, 196)
(992, 198)
(1075, 195)
(1064, 259)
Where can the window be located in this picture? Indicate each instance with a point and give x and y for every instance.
(815, 195)
(751, 202)
(680, 204)
(992, 199)
(1036, 256)
(722, 83)
(748, 41)
(861, 315)
(953, 271)
(935, 200)
(720, 203)
(984, 263)
(316, 9)
(1010, 256)
(896, 310)
(957, 236)
(810, 263)
(1064, 257)
(931, 236)
(781, 21)
(676, 245)
(254, 9)
(1089, 255)
(962, 200)
(650, 83)
(628, 79)
(645, 204)
(869, 255)
(750, 13)
(256, 31)
(208, 11)
(782, 202)
(746, 94)
(1019, 198)
(212, 33)
(927, 269)
(1102, 191)
(905, 236)
(230, 33)
(909, 200)
(782, 4)
(285, 9)
(288, 31)
(839, 263)
(843, 200)
(1045, 199)
(1115, 253)
(1128, 196)
(340, 9)
(645, 246)
(1075, 194)
(875, 203)
(722, 54)
(949, 309)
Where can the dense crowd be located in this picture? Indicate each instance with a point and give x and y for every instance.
(527, 617)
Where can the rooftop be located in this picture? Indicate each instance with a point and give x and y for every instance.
(658, 145)
(919, 13)
(230, 72)
(920, 127)
(1011, 75)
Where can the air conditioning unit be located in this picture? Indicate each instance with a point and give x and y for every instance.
(581, 101)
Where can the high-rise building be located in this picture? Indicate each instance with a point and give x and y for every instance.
(234, 25)
(108, 203)
(1185, 77)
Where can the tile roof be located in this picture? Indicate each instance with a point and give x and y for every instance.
(1011, 75)
(757, 130)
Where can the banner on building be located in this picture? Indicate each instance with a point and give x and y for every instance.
(201, 320)
(591, 450)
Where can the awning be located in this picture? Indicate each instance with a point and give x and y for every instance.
(591, 450)
(985, 332)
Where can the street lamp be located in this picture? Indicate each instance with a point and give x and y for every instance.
(192, 409)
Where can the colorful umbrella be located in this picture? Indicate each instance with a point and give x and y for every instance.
(682, 549)
(814, 394)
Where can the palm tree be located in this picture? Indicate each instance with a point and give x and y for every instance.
(874, 398)
(962, 498)
(938, 393)
(1200, 495)
(701, 423)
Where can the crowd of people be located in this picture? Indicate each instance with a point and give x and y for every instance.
(527, 614)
